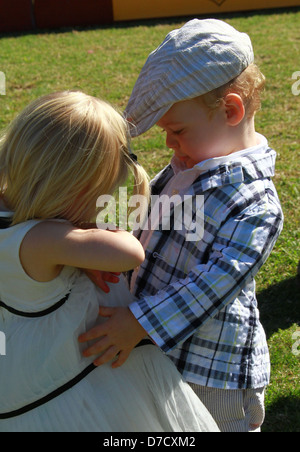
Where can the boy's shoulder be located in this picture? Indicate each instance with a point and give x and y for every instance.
(241, 184)
(237, 171)
(237, 168)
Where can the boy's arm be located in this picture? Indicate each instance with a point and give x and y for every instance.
(172, 315)
(242, 246)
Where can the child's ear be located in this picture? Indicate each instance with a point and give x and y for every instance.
(234, 109)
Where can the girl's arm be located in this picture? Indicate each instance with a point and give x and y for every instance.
(50, 245)
(174, 313)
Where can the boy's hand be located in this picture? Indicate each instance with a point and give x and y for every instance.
(100, 278)
(117, 336)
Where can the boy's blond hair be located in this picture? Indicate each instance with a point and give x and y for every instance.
(61, 153)
(249, 85)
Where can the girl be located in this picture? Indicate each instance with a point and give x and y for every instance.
(61, 153)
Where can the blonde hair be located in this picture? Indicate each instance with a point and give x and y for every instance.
(249, 85)
(64, 151)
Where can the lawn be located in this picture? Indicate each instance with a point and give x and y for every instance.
(105, 62)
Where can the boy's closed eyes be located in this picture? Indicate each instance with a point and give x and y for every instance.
(195, 135)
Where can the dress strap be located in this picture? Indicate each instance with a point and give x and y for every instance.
(35, 314)
(5, 222)
(50, 396)
(60, 390)
(144, 342)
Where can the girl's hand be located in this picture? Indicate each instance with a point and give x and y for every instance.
(100, 278)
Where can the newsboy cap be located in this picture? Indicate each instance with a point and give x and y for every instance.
(191, 61)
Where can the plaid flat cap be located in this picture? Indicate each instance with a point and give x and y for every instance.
(193, 60)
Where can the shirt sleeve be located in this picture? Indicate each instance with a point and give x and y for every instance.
(242, 245)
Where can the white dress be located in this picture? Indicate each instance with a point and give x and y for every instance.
(46, 383)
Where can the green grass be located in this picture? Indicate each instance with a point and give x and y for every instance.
(105, 62)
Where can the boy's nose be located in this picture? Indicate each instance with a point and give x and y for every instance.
(171, 141)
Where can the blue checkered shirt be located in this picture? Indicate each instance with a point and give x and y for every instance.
(196, 299)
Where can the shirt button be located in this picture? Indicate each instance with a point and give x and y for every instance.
(157, 256)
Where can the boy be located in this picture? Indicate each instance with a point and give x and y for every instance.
(196, 299)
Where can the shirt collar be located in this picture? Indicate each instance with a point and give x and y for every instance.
(249, 164)
(179, 166)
